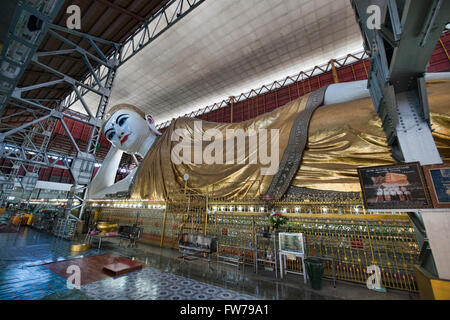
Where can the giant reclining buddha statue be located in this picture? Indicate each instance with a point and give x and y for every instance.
(320, 141)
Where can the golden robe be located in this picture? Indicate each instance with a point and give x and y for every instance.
(341, 138)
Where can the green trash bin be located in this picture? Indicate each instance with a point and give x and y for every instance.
(314, 268)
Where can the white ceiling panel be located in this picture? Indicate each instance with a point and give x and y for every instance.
(226, 47)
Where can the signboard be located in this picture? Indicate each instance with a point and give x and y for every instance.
(291, 243)
(438, 180)
(394, 187)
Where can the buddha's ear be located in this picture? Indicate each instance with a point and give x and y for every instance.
(151, 125)
(149, 119)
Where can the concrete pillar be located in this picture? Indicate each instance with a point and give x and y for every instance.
(437, 224)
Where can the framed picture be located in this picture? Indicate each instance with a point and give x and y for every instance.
(291, 243)
(399, 186)
(438, 181)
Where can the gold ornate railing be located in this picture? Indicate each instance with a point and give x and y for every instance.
(339, 228)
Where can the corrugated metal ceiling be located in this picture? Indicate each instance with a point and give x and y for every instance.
(225, 47)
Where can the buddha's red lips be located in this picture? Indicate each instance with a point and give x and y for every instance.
(124, 139)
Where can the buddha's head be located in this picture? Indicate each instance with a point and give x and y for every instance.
(127, 127)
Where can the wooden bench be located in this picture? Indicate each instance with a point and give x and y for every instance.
(196, 245)
(231, 259)
(130, 233)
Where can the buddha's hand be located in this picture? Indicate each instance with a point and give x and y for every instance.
(107, 172)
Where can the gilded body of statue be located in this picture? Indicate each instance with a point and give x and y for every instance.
(317, 141)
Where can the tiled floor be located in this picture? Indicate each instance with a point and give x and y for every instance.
(29, 247)
(22, 256)
(23, 276)
(152, 284)
(29, 283)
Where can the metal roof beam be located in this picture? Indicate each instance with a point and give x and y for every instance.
(153, 28)
(24, 126)
(16, 62)
(121, 10)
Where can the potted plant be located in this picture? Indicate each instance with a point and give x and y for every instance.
(276, 219)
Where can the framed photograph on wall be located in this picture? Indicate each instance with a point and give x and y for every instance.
(399, 186)
(438, 181)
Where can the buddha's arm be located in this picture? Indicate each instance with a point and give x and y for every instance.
(350, 91)
(346, 92)
(107, 173)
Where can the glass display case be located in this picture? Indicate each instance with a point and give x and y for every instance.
(266, 251)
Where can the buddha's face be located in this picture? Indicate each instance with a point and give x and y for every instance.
(126, 130)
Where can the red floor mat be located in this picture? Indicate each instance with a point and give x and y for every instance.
(91, 267)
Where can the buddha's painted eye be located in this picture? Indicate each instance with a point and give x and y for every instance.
(122, 119)
(111, 135)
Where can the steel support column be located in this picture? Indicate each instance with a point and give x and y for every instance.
(15, 55)
(399, 55)
(400, 49)
(99, 80)
(81, 167)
